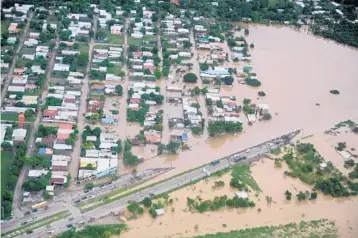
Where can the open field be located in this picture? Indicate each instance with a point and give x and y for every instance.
(15, 117)
(134, 41)
(6, 160)
(115, 39)
(4, 26)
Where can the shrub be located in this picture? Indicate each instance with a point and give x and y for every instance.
(334, 91)
(252, 82)
(190, 78)
(261, 93)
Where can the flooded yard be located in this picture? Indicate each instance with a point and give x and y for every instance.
(296, 79)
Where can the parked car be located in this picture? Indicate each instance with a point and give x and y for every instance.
(77, 201)
(24, 223)
(29, 231)
(27, 213)
(69, 225)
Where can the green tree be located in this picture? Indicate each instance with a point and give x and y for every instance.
(89, 186)
(157, 73)
(147, 202)
(172, 147)
(190, 78)
(118, 90)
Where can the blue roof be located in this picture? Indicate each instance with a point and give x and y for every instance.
(42, 151)
(107, 120)
(184, 137)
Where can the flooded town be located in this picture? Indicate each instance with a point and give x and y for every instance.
(157, 119)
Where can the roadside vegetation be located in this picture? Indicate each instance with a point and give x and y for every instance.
(315, 228)
(11, 164)
(308, 165)
(105, 231)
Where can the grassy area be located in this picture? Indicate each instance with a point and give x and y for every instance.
(4, 26)
(101, 47)
(6, 159)
(15, 117)
(243, 173)
(115, 39)
(114, 70)
(134, 41)
(317, 228)
(95, 231)
(39, 223)
(32, 92)
(84, 48)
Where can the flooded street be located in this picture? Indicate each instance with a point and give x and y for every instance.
(295, 77)
(180, 222)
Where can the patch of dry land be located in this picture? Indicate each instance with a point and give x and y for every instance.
(203, 208)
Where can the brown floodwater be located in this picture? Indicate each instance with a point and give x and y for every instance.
(297, 71)
(179, 222)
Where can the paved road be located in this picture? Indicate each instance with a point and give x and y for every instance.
(199, 173)
(11, 71)
(31, 140)
(66, 200)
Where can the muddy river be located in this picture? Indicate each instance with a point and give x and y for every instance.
(180, 222)
(297, 72)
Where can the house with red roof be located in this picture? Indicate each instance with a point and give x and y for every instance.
(50, 114)
(137, 55)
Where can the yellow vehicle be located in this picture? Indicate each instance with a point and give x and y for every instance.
(38, 205)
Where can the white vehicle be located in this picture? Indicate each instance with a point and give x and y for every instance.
(50, 232)
(247, 151)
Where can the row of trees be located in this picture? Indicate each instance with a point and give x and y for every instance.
(222, 127)
(218, 203)
(13, 173)
(138, 116)
(171, 148)
(128, 158)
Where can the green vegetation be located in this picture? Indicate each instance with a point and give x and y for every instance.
(218, 203)
(134, 41)
(40, 222)
(118, 90)
(315, 228)
(152, 97)
(267, 117)
(288, 195)
(190, 78)
(15, 117)
(341, 146)
(261, 93)
(115, 39)
(105, 231)
(307, 165)
(242, 173)
(219, 184)
(334, 91)
(221, 127)
(11, 164)
(128, 158)
(138, 116)
(135, 208)
(197, 130)
(7, 158)
(252, 82)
